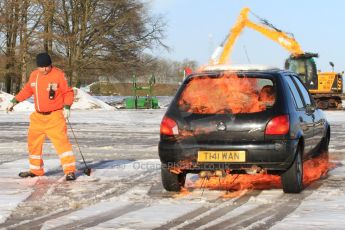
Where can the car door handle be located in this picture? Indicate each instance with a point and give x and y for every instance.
(301, 119)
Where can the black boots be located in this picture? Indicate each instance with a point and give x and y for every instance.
(70, 176)
(26, 174)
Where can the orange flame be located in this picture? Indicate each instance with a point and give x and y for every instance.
(184, 192)
(240, 182)
(226, 94)
(313, 169)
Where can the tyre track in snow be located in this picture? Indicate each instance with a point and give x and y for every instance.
(196, 218)
(103, 217)
(36, 224)
(13, 132)
(264, 216)
(18, 221)
(155, 194)
(25, 215)
(13, 136)
(254, 216)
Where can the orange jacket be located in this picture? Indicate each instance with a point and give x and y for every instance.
(39, 85)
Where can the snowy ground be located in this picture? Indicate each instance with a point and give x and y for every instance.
(124, 189)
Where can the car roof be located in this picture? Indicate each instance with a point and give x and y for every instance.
(242, 69)
(237, 67)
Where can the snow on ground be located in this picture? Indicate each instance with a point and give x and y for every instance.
(324, 209)
(335, 116)
(126, 194)
(98, 209)
(14, 190)
(150, 217)
(124, 169)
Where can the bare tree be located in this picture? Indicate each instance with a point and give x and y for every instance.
(48, 20)
(10, 29)
(20, 19)
(100, 37)
(103, 34)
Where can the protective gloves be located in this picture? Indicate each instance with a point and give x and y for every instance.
(67, 111)
(10, 106)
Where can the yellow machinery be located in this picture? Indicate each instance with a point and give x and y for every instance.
(326, 87)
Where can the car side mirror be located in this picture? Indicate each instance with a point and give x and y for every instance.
(310, 109)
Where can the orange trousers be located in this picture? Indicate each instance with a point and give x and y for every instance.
(54, 127)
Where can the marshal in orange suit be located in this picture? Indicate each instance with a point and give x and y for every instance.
(53, 99)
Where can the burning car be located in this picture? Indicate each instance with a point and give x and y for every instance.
(234, 120)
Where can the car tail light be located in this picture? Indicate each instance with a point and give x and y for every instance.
(279, 125)
(168, 127)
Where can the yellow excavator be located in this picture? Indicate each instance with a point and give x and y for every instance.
(325, 87)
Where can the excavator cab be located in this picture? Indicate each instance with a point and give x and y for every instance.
(304, 65)
(325, 87)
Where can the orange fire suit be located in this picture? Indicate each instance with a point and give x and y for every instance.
(51, 94)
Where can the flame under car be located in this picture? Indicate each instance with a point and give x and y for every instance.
(241, 121)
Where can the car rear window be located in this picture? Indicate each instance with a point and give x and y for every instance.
(228, 93)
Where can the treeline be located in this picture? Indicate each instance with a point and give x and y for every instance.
(87, 38)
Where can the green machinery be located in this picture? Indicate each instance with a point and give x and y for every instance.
(142, 102)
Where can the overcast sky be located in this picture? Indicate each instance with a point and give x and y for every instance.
(196, 27)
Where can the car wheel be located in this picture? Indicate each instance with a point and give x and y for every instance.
(172, 182)
(292, 179)
(324, 144)
(323, 150)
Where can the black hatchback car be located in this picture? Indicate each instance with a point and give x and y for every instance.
(226, 120)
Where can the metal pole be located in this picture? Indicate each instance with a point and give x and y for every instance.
(87, 170)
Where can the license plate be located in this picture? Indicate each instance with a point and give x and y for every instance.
(221, 156)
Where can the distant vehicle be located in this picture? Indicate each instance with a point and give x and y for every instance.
(230, 120)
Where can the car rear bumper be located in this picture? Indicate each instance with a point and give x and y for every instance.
(272, 156)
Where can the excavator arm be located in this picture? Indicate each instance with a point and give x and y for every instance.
(326, 88)
(286, 41)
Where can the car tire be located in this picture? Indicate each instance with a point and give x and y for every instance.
(324, 144)
(172, 182)
(323, 150)
(292, 179)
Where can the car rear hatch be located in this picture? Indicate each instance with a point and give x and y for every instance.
(226, 108)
